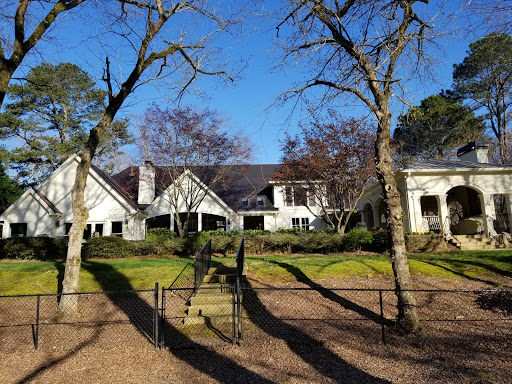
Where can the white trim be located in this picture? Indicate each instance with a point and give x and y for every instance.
(190, 174)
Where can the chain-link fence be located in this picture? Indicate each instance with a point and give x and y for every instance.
(175, 317)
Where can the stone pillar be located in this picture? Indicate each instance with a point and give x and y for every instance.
(488, 213)
(443, 213)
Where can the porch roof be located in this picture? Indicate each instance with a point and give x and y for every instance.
(453, 165)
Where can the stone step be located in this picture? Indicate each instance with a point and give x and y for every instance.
(482, 247)
(220, 278)
(199, 320)
(213, 309)
(208, 299)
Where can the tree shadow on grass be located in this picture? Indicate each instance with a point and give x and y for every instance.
(458, 273)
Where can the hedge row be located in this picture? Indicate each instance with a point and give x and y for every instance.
(163, 242)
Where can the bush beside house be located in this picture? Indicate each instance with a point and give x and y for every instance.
(161, 241)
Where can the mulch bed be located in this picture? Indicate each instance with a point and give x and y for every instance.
(290, 336)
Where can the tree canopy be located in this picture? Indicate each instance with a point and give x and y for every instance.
(9, 189)
(181, 140)
(435, 129)
(49, 119)
(328, 165)
(485, 79)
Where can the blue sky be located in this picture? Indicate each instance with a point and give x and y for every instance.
(247, 104)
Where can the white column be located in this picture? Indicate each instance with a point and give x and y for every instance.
(199, 221)
(488, 212)
(443, 213)
(508, 202)
(416, 216)
(376, 216)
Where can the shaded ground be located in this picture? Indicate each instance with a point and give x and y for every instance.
(290, 336)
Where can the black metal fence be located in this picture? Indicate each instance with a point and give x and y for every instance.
(163, 318)
(202, 263)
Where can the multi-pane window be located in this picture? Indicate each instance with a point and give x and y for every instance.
(288, 196)
(301, 223)
(18, 229)
(117, 228)
(260, 202)
(245, 202)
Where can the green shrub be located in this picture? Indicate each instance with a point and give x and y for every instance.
(283, 242)
(109, 247)
(160, 234)
(380, 242)
(33, 248)
(356, 239)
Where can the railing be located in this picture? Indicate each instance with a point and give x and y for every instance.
(202, 263)
(432, 223)
(240, 256)
(501, 222)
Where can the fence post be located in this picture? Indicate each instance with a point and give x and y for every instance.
(36, 333)
(239, 309)
(382, 328)
(155, 318)
(162, 319)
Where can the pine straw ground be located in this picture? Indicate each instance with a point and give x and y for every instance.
(280, 348)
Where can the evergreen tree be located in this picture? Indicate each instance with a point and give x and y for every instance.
(50, 117)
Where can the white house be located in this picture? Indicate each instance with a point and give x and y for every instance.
(464, 197)
(137, 198)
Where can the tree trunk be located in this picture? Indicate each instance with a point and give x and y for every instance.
(5, 77)
(68, 305)
(407, 316)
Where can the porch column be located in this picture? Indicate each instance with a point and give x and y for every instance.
(488, 213)
(443, 213)
(416, 216)
(508, 202)
(199, 222)
(376, 216)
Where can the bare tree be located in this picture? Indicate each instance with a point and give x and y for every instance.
(23, 40)
(328, 166)
(155, 37)
(359, 48)
(195, 155)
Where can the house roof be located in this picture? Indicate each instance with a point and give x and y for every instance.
(451, 165)
(244, 181)
(47, 201)
(114, 185)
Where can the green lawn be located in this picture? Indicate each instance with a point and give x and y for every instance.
(24, 277)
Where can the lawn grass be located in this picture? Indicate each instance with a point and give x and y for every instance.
(24, 277)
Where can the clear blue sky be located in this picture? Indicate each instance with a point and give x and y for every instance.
(247, 104)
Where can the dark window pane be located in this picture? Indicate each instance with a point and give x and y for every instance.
(117, 228)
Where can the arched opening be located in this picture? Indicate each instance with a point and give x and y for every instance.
(368, 216)
(465, 211)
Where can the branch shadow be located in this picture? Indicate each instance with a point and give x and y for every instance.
(458, 273)
(309, 349)
(301, 277)
(203, 359)
(54, 362)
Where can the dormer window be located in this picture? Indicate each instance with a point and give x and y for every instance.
(245, 202)
(261, 202)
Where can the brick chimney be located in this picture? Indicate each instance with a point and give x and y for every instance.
(146, 183)
(474, 152)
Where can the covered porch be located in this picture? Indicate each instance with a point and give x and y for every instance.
(462, 210)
